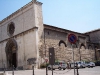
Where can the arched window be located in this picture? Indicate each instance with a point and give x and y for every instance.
(62, 42)
(82, 46)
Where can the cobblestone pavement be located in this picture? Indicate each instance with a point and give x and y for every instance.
(85, 71)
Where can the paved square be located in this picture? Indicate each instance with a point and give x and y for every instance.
(85, 71)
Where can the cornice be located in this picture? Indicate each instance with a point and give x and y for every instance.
(61, 29)
(20, 33)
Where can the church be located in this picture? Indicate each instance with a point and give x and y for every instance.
(25, 40)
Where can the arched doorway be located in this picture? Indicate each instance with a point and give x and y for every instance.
(11, 53)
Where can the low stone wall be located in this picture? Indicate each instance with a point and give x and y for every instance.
(63, 52)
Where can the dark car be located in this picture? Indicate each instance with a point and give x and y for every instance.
(97, 63)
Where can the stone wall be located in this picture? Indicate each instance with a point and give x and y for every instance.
(26, 49)
(63, 50)
(2, 54)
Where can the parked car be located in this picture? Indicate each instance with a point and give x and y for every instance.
(97, 63)
(72, 65)
(58, 65)
(90, 64)
(79, 64)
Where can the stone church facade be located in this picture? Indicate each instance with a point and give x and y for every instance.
(25, 40)
(19, 36)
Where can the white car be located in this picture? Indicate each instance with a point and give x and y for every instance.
(80, 64)
(58, 65)
(90, 64)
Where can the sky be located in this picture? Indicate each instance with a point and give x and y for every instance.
(75, 15)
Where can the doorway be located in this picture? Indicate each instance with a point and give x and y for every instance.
(11, 54)
(14, 60)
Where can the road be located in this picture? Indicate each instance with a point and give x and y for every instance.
(85, 71)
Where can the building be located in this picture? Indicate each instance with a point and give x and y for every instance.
(58, 38)
(25, 40)
(94, 36)
(16, 30)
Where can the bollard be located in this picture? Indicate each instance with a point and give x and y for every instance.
(33, 70)
(13, 70)
(52, 69)
(77, 72)
(46, 68)
(4, 68)
(77, 69)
